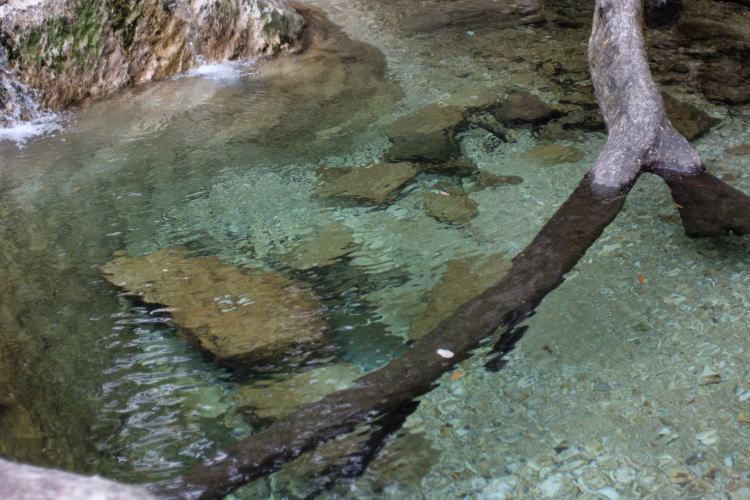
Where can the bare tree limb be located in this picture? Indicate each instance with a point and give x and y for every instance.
(640, 139)
(709, 206)
(640, 135)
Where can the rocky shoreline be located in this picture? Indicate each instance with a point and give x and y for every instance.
(63, 52)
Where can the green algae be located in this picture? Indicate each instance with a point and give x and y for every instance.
(48, 45)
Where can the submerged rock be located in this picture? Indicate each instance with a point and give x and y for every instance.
(471, 14)
(690, 121)
(332, 243)
(522, 107)
(713, 38)
(727, 80)
(486, 179)
(450, 206)
(743, 149)
(426, 134)
(373, 184)
(554, 154)
(237, 316)
(322, 95)
(68, 50)
(473, 97)
(278, 397)
(463, 280)
(461, 166)
(582, 119)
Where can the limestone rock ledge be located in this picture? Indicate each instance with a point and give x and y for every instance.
(26, 482)
(68, 50)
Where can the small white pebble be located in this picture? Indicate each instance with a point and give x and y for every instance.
(667, 433)
(470, 33)
(609, 493)
(551, 486)
(624, 475)
(708, 437)
(445, 353)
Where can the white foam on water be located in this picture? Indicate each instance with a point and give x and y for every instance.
(221, 71)
(20, 132)
(19, 5)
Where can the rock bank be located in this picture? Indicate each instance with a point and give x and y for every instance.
(330, 86)
(69, 50)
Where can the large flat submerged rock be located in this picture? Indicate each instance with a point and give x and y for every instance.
(239, 317)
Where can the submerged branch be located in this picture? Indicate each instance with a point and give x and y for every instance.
(641, 139)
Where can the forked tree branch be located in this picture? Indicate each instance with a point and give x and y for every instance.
(640, 139)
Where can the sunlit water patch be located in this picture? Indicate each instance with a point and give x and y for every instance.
(167, 405)
(22, 131)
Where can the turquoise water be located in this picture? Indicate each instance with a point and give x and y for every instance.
(225, 163)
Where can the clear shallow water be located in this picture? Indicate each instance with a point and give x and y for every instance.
(227, 167)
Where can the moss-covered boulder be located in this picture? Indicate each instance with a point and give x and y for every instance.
(71, 49)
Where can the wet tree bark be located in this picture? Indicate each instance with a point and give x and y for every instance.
(640, 139)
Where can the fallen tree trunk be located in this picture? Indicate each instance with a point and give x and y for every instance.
(378, 396)
(640, 139)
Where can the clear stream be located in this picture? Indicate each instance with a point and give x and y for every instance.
(223, 161)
